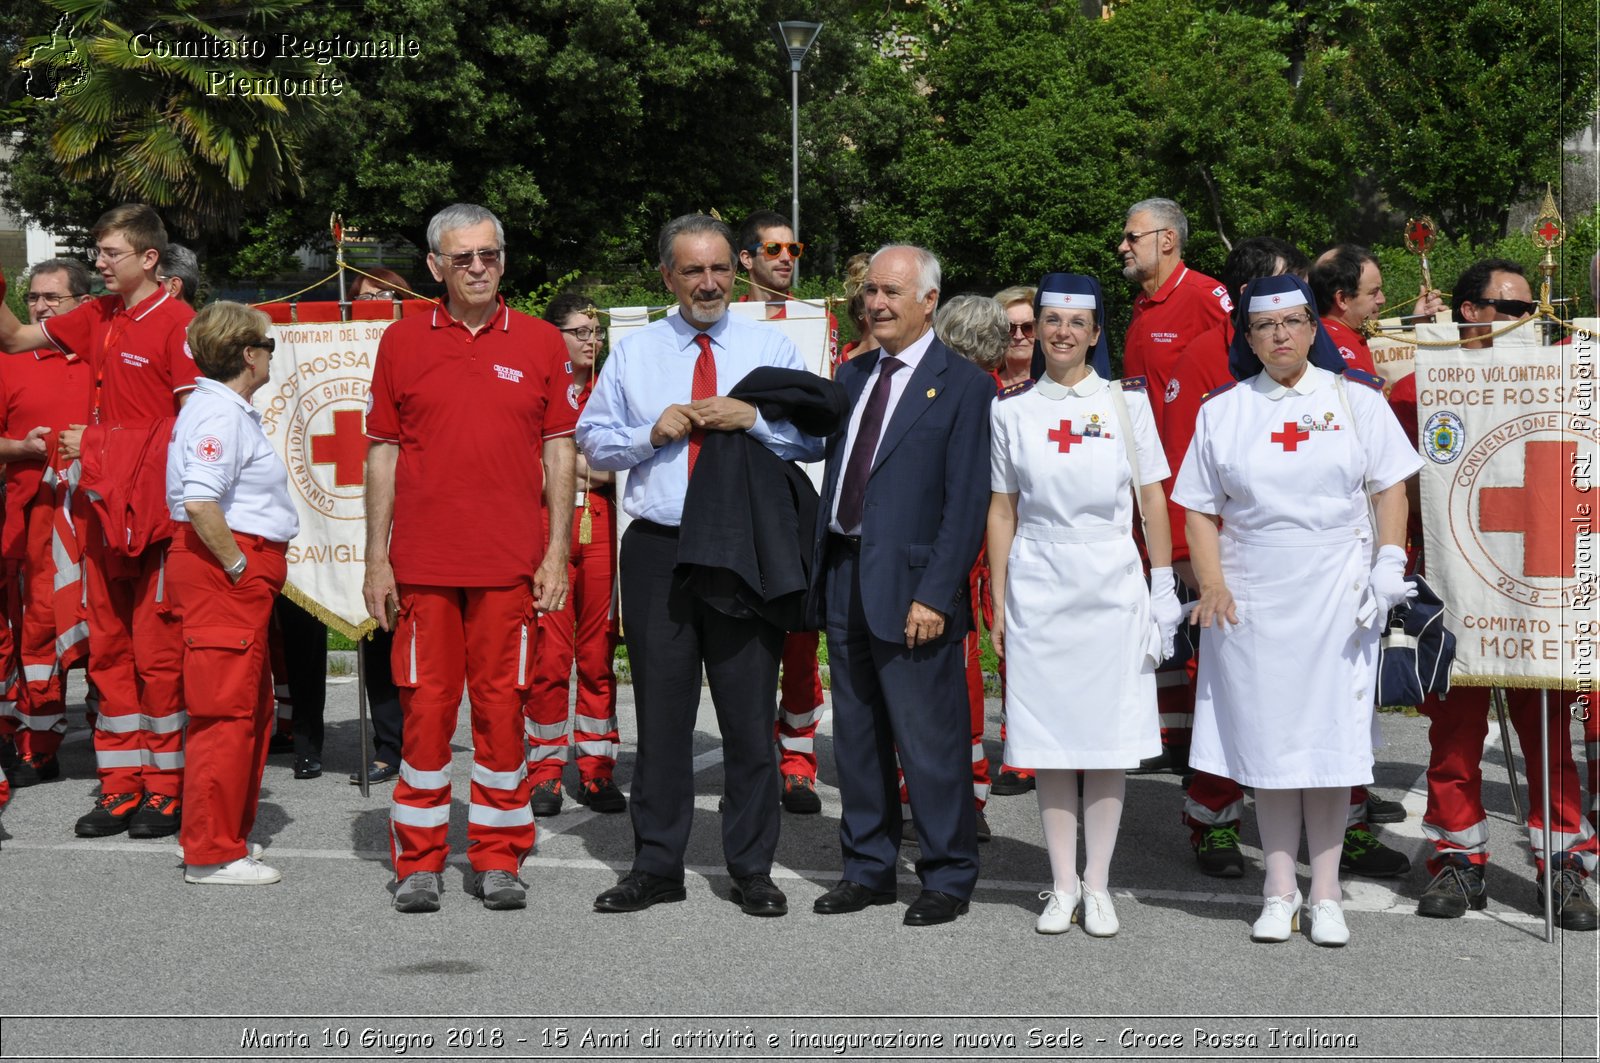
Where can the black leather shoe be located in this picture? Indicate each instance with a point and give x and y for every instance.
(377, 772)
(849, 897)
(758, 895)
(932, 908)
(308, 768)
(637, 891)
(1174, 760)
(280, 743)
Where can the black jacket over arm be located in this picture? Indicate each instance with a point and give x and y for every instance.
(749, 517)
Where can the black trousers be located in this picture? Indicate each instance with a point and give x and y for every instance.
(305, 654)
(669, 634)
(383, 697)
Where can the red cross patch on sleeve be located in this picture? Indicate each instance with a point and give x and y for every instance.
(209, 449)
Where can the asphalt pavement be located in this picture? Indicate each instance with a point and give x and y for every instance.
(107, 954)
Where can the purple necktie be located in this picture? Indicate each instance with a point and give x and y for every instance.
(853, 493)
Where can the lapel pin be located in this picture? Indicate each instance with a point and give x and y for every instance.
(932, 392)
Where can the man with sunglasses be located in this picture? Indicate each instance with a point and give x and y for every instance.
(468, 417)
(1487, 296)
(134, 342)
(768, 251)
(40, 394)
(1175, 305)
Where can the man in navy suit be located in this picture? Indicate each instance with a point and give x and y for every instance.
(904, 504)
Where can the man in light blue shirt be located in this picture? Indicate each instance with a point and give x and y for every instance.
(656, 395)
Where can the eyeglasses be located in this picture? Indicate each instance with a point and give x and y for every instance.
(384, 293)
(585, 333)
(269, 344)
(774, 248)
(1025, 327)
(1131, 238)
(1510, 307)
(111, 257)
(50, 299)
(463, 259)
(1260, 330)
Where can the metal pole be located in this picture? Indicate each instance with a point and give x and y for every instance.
(1544, 797)
(794, 159)
(1497, 697)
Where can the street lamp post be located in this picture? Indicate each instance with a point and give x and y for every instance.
(794, 41)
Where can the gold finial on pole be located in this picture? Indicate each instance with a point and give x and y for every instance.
(1548, 234)
(336, 227)
(1420, 236)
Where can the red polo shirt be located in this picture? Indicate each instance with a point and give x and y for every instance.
(1181, 379)
(1188, 304)
(140, 354)
(44, 387)
(470, 414)
(1351, 344)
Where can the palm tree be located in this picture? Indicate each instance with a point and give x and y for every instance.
(168, 104)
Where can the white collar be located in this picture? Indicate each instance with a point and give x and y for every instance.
(1314, 379)
(1092, 384)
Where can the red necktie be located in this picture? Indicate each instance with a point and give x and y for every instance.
(704, 387)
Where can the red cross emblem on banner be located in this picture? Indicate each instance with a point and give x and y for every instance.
(1290, 437)
(1549, 231)
(1062, 436)
(1542, 510)
(345, 449)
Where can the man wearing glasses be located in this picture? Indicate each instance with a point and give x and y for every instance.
(134, 343)
(1175, 305)
(768, 251)
(1489, 295)
(663, 388)
(40, 394)
(468, 410)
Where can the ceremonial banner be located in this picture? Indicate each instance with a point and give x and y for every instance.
(1392, 353)
(313, 409)
(1509, 440)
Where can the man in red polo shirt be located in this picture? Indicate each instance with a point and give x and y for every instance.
(133, 340)
(40, 395)
(768, 252)
(1175, 304)
(468, 408)
(1349, 290)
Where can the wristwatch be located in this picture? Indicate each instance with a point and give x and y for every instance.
(236, 569)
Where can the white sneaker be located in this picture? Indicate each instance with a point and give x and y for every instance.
(1060, 912)
(245, 871)
(1279, 918)
(1327, 925)
(1099, 917)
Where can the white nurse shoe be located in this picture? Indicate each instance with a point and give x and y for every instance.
(1099, 917)
(1327, 925)
(1279, 918)
(1060, 911)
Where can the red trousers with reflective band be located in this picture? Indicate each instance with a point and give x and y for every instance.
(136, 663)
(483, 637)
(41, 709)
(224, 634)
(799, 705)
(585, 633)
(1455, 821)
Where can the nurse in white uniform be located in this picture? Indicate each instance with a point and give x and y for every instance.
(1080, 631)
(1294, 586)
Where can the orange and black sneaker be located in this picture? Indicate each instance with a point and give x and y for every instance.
(35, 768)
(602, 795)
(109, 816)
(159, 817)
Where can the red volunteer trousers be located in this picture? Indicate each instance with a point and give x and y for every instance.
(584, 633)
(1589, 714)
(41, 706)
(136, 653)
(799, 705)
(482, 637)
(224, 634)
(1455, 821)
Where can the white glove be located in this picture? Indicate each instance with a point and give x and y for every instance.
(1165, 609)
(1388, 582)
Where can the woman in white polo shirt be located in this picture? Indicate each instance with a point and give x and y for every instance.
(229, 492)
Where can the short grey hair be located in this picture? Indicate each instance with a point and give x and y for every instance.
(180, 262)
(685, 224)
(1167, 215)
(976, 328)
(929, 275)
(78, 281)
(461, 216)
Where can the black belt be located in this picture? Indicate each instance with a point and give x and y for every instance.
(850, 543)
(650, 527)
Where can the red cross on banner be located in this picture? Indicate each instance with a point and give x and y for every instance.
(1063, 437)
(1549, 231)
(1543, 510)
(345, 449)
(1290, 437)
